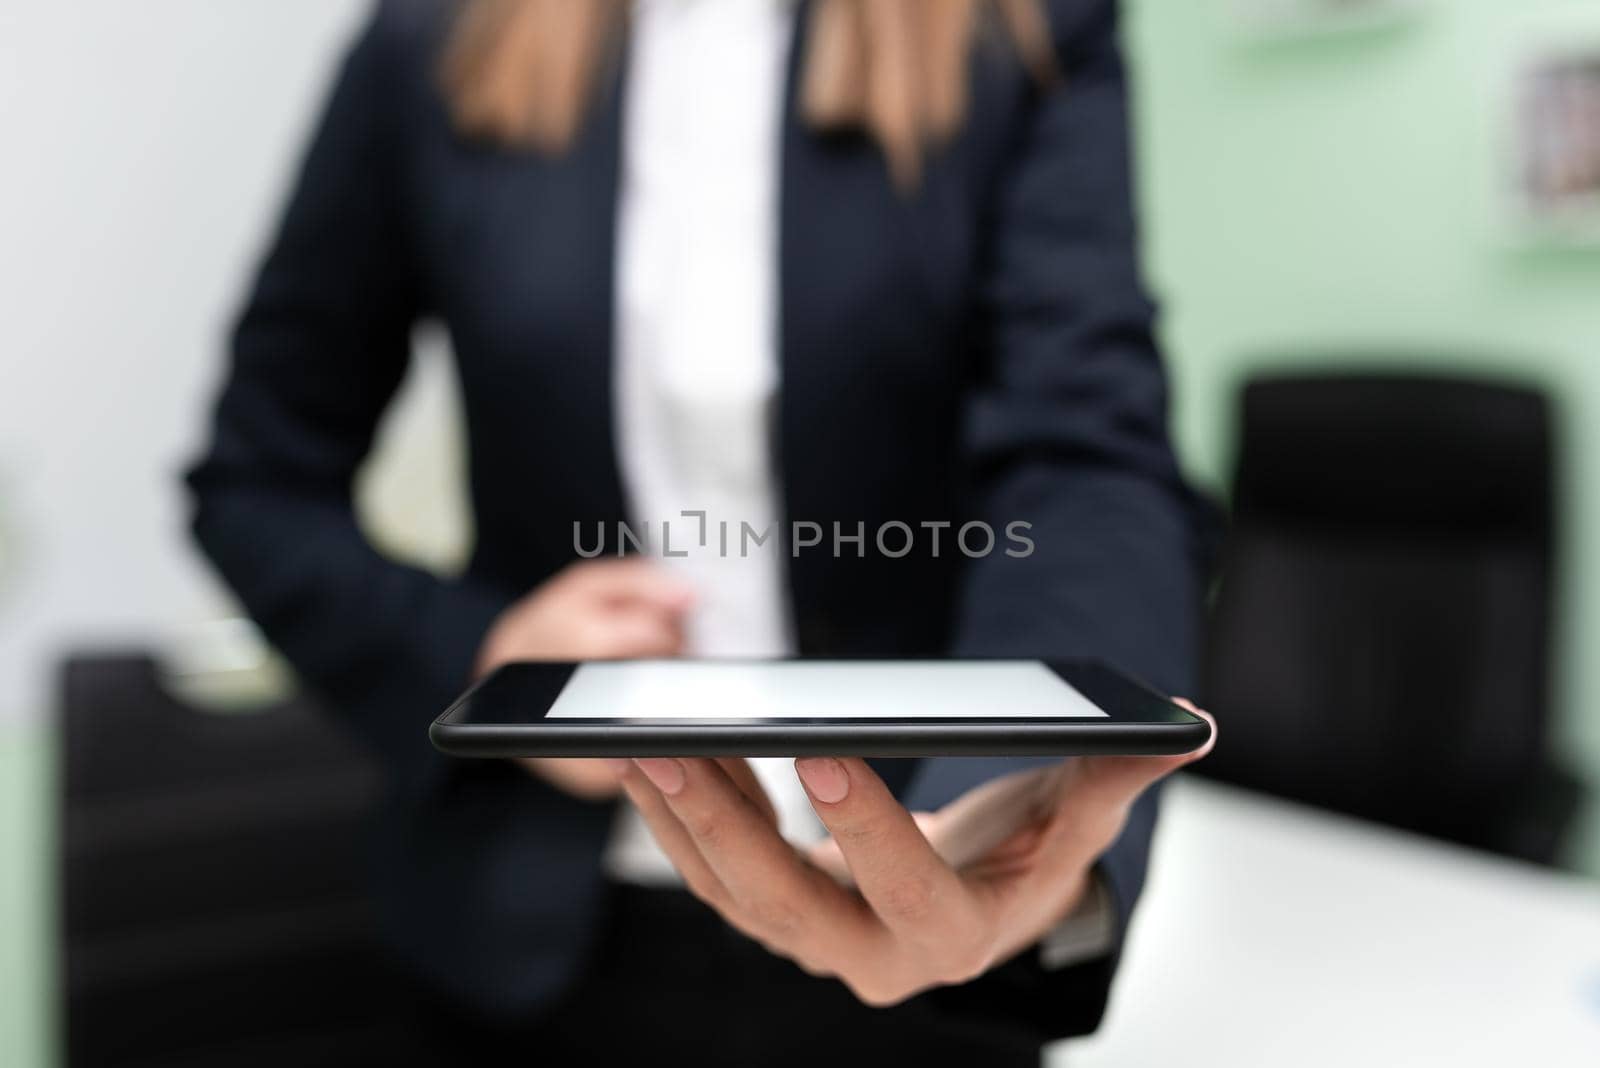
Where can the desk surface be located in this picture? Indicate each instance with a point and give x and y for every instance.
(1277, 935)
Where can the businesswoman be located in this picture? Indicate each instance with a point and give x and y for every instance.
(830, 269)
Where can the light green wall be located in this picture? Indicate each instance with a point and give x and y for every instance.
(27, 873)
(1344, 191)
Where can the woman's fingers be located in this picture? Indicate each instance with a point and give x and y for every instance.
(913, 891)
(1089, 805)
(744, 777)
(1121, 779)
(1079, 817)
(632, 579)
(827, 855)
(630, 633)
(583, 778)
(674, 840)
(593, 610)
(680, 848)
(974, 825)
(783, 900)
(916, 922)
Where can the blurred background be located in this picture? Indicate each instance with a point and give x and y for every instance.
(1374, 226)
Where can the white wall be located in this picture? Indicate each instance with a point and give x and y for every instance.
(146, 148)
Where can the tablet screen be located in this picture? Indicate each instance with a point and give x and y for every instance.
(798, 689)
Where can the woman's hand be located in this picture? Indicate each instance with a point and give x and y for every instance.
(592, 610)
(892, 905)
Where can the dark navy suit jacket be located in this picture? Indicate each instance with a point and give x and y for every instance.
(979, 348)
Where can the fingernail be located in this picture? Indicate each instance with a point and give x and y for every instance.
(825, 778)
(664, 772)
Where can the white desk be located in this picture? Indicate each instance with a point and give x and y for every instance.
(1275, 935)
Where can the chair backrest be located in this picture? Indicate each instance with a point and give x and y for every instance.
(213, 883)
(1380, 639)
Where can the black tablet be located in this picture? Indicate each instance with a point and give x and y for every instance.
(632, 708)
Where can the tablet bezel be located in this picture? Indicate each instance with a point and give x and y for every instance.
(1139, 721)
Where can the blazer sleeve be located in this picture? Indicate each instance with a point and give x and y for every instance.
(1067, 431)
(321, 346)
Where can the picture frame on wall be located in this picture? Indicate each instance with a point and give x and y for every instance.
(1553, 143)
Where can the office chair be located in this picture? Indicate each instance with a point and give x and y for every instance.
(214, 904)
(1380, 642)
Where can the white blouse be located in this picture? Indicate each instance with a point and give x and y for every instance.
(696, 374)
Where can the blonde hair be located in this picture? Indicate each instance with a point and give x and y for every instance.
(522, 71)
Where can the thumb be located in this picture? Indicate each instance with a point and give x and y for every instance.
(1121, 779)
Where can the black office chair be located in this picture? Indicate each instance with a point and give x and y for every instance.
(214, 902)
(1380, 642)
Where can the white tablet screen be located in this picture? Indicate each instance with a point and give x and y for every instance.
(797, 689)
